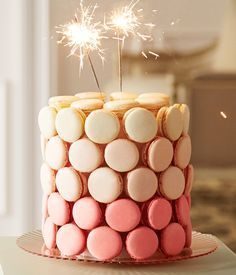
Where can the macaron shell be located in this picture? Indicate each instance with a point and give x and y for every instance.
(140, 125)
(142, 243)
(141, 184)
(160, 154)
(85, 156)
(182, 210)
(182, 152)
(87, 213)
(88, 105)
(102, 126)
(172, 183)
(123, 215)
(159, 213)
(123, 95)
(186, 117)
(58, 209)
(46, 121)
(105, 185)
(104, 243)
(69, 184)
(56, 153)
(121, 155)
(172, 123)
(48, 179)
(49, 233)
(70, 240)
(172, 240)
(69, 124)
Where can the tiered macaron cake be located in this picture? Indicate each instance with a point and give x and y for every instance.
(116, 175)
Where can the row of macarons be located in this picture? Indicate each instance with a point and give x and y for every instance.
(105, 185)
(122, 155)
(103, 126)
(121, 217)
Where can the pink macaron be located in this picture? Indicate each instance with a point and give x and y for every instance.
(104, 243)
(182, 210)
(159, 154)
(70, 240)
(188, 232)
(172, 240)
(87, 213)
(123, 215)
(49, 233)
(182, 152)
(171, 183)
(58, 209)
(158, 213)
(142, 243)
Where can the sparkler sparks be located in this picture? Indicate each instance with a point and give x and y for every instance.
(82, 34)
(223, 115)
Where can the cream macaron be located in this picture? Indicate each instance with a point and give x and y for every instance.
(88, 105)
(140, 125)
(48, 179)
(121, 155)
(91, 95)
(56, 153)
(105, 185)
(85, 156)
(119, 107)
(102, 126)
(141, 184)
(184, 109)
(69, 184)
(152, 103)
(182, 152)
(69, 124)
(123, 95)
(155, 95)
(60, 102)
(46, 121)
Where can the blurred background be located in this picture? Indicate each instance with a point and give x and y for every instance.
(196, 43)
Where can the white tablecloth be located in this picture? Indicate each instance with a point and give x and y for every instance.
(15, 261)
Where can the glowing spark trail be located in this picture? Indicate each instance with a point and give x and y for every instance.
(144, 54)
(155, 54)
(83, 35)
(223, 115)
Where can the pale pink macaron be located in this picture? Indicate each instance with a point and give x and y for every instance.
(69, 184)
(105, 185)
(123, 215)
(44, 209)
(87, 213)
(104, 243)
(141, 184)
(49, 233)
(188, 232)
(70, 240)
(121, 155)
(142, 243)
(171, 183)
(182, 210)
(85, 156)
(58, 209)
(172, 240)
(159, 213)
(189, 177)
(159, 154)
(182, 152)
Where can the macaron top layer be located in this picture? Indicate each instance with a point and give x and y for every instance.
(85, 156)
(105, 185)
(91, 95)
(123, 215)
(141, 184)
(120, 106)
(154, 95)
(102, 126)
(152, 103)
(104, 243)
(160, 154)
(88, 105)
(142, 243)
(56, 153)
(59, 102)
(121, 155)
(69, 124)
(87, 213)
(140, 125)
(69, 184)
(123, 95)
(46, 121)
(183, 151)
(172, 183)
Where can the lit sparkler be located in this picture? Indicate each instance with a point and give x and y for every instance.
(83, 36)
(223, 114)
(125, 22)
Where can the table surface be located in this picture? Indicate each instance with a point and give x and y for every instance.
(15, 261)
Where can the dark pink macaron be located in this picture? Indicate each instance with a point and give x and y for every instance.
(182, 210)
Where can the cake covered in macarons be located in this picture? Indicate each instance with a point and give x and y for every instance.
(116, 176)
